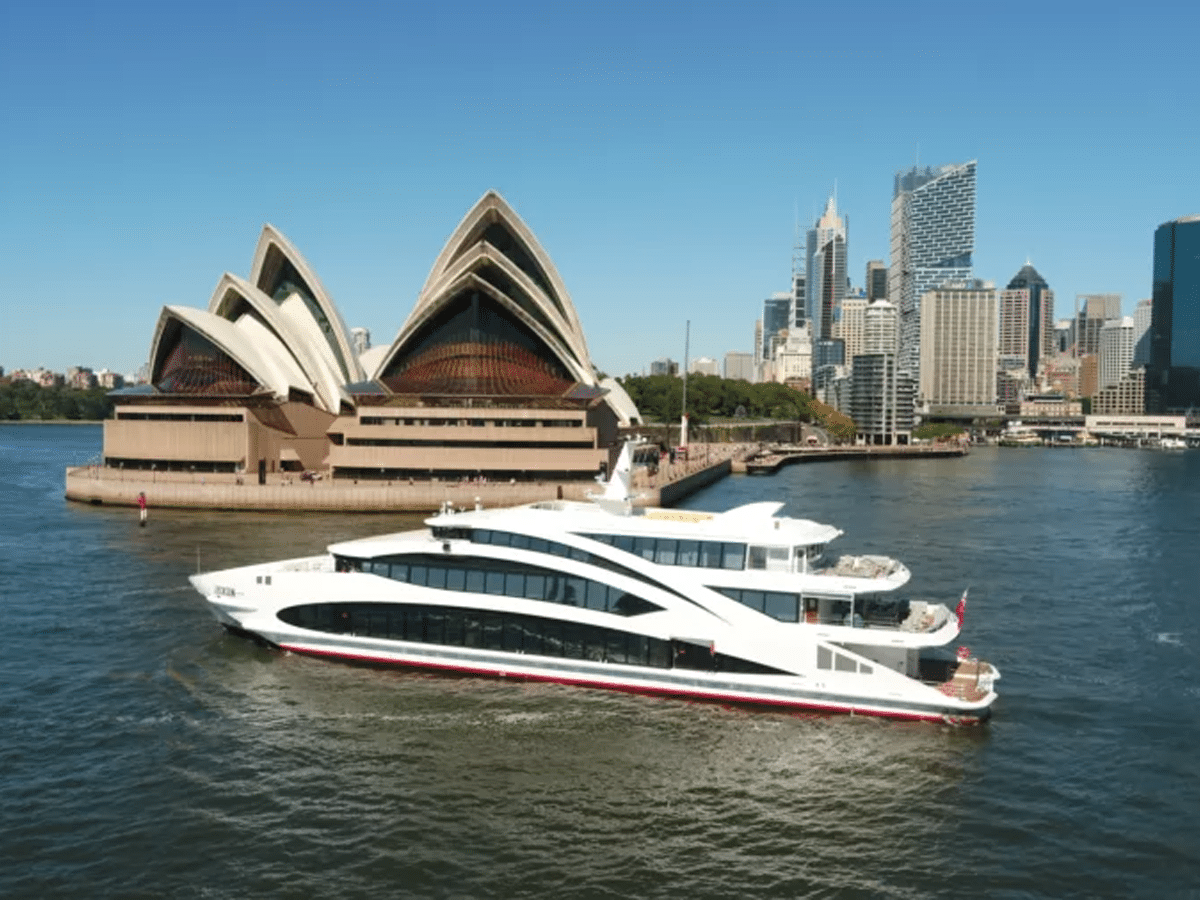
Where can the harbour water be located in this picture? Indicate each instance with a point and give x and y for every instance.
(145, 753)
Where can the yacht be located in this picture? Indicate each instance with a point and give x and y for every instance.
(744, 606)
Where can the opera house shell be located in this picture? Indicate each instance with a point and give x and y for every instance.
(489, 377)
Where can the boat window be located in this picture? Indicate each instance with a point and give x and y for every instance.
(416, 575)
(776, 604)
(824, 658)
(666, 551)
(535, 586)
(456, 578)
(710, 554)
(520, 541)
(644, 547)
(752, 599)
(494, 583)
(777, 559)
(514, 584)
(844, 664)
(474, 581)
(784, 607)
(689, 553)
(623, 542)
(597, 595)
(757, 558)
(733, 556)
(436, 577)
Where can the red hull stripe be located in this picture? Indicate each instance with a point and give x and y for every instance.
(626, 688)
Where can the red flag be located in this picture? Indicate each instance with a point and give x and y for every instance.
(961, 609)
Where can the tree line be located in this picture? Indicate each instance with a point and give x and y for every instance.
(25, 400)
(710, 398)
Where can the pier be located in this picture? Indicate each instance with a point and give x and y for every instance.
(773, 460)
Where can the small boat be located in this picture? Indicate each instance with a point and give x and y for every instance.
(743, 606)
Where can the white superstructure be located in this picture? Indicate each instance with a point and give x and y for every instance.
(740, 606)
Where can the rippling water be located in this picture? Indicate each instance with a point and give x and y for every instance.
(145, 753)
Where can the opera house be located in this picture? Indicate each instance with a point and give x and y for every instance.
(489, 377)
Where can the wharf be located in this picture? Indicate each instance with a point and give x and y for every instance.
(772, 461)
(102, 486)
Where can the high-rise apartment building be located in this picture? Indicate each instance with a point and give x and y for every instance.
(933, 237)
(1173, 376)
(703, 365)
(881, 328)
(876, 281)
(958, 344)
(826, 269)
(881, 397)
(1116, 351)
(1027, 320)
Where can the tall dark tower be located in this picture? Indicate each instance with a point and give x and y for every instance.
(1038, 331)
(1173, 376)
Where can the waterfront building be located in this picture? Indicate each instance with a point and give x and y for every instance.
(664, 366)
(109, 380)
(1173, 376)
(739, 365)
(1026, 320)
(1056, 405)
(704, 365)
(932, 240)
(881, 400)
(1127, 397)
(360, 340)
(488, 377)
(958, 342)
(1142, 317)
(827, 244)
(876, 281)
(1116, 351)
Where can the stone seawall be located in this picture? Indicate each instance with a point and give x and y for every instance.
(164, 490)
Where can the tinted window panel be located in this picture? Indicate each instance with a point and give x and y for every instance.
(456, 579)
(597, 595)
(689, 553)
(733, 556)
(435, 577)
(644, 547)
(514, 584)
(416, 575)
(494, 583)
(784, 607)
(475, 580)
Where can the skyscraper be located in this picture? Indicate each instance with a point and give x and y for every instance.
(776, 318)
(933, 237)
(1142, 314)
(1091, 312)
(826, 270)
(881, 398)
(1027, 320)
(876, 281)
(1173, 376)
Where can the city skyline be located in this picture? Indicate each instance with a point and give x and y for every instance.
(667, 177)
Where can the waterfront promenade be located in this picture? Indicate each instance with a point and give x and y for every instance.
(286, 491)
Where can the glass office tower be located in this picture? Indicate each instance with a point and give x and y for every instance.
(1173, 377)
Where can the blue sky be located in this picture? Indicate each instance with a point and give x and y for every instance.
(661, 152)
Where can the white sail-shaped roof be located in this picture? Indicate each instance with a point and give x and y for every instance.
(252, 348)
(236, 300)
(493, 251)
(276, 265)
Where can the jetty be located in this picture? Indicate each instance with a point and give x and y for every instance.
(773, 459)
